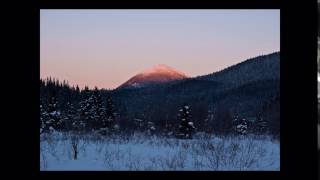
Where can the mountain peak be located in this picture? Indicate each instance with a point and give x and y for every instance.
(161, 68)
(159, 73)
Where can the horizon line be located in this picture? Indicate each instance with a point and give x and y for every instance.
(189, 77)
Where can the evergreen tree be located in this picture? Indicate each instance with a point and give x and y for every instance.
(110, 112)
(43, 119)
(54, 115)
(240, 126)
(99, 113)
(69, 116)
(86, 112)
(186, 127)
(108, 120)
(77, 89)
(54, 102)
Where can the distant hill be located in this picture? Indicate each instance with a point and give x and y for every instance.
(254, 69)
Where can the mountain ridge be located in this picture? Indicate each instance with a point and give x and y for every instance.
(243, 88)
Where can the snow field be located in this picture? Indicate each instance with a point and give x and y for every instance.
(152, 153)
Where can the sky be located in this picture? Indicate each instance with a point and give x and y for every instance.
(105, 48)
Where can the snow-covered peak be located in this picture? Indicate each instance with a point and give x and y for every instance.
(161, 68)
(157, 74)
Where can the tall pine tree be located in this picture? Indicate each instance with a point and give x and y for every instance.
(108, 123)
(186, 126)
(99, 113)
(85, 112)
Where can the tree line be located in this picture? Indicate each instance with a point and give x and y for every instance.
(69, 108)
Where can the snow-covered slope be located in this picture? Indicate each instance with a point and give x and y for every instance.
(157, 74)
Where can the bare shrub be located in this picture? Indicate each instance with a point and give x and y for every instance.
(74, 145)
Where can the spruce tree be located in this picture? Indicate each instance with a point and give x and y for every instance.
(108, 123)
(240, 126)
(43, 119)
(99, 113)
(54, 115)
(186, 127)
(85, 115)
(69, 115)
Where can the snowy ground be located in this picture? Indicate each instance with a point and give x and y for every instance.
(154, 153)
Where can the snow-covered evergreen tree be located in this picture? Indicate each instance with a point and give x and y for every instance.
(99, 113)
(240, 125)
(186, 126)
(54, 122)
(85, 111)
(43, 119)
(108, 120)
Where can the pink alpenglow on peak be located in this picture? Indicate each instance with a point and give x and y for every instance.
(162, 68)
(160, 73)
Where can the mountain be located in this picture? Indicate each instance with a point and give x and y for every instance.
(155, 75)
(246, 89)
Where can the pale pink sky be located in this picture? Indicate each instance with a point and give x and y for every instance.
(104, 48)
